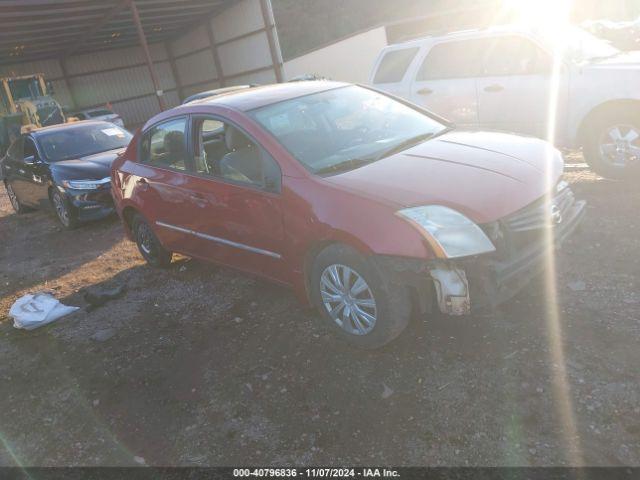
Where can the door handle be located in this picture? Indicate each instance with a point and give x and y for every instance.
(494, 88)
(424, 91)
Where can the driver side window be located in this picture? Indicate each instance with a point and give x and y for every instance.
(165, 145)
(30, 153)
(223, 151)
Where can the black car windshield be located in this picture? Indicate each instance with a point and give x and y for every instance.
(82, 140)
(344, 128)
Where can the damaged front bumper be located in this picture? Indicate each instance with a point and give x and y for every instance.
(459, 286)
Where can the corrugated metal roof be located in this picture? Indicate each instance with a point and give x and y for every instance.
(38, 29)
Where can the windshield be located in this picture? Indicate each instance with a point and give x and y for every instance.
(81, 141)
(579, 45)
(25, 88)
(344, 128)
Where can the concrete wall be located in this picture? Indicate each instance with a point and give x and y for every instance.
(348, 60)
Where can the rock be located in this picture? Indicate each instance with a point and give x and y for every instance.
(139, 460)
(183, 268)
(103, 335)
(237, 320)
(96, 402)
(387, 392)
(577, 286)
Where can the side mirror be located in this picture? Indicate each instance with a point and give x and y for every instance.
(50, 89)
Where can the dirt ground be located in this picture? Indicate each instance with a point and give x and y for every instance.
(200, 365)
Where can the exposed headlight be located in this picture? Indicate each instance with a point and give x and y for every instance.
(86, 184)
(450, 233)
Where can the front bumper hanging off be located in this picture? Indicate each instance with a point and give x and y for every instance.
(486, 281)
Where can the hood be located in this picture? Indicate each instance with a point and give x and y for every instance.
(91, 167)
(485, 175)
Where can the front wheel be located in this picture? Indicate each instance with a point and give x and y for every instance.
(18, 207)
(612, 147)
(357, 301)
(64, 211)
(149, 245)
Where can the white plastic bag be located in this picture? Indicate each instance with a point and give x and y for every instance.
(34, 310)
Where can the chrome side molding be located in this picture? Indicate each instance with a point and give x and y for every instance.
(222, 241)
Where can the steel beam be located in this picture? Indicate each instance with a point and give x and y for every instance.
(214, 52)
(147, 54)
(272, 37)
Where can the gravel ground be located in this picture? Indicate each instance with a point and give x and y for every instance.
(200, 365)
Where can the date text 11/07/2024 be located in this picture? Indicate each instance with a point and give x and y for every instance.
(317, 472)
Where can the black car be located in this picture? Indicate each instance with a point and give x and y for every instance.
(66, 167)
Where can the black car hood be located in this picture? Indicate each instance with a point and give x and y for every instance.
(91, 167)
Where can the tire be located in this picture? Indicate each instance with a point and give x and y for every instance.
(65, 213)
(599, 131)
(148, 244)
(392, 304)
(18, 207)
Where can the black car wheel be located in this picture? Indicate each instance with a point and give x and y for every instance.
(64, 211)
(149, 245)
(15, 201)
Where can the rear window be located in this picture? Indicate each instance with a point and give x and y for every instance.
(453, 60)
(394, 65)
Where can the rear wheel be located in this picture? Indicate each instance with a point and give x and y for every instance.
(612, 147)
(148, 244)
(64, 211)
(356, 301)
(18, 207)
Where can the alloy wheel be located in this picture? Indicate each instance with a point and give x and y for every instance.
(61, 209)
(348, 299)
(620, 145)
(145, 239)
(13, 198)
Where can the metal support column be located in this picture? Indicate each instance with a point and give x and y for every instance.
(147, 55)
(214, 51)
(272, 37)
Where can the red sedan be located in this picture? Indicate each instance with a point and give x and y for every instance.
(369, 207)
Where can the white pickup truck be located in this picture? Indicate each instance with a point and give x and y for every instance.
(572, 88)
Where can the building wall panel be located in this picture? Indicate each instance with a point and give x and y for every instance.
(241, 17)
(196, 68)
(348, 60)
(193, 40)
(245, 54)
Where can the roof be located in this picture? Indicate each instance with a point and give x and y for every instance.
(70, 126)
(37, 29)
(462, 35)
(250, 98)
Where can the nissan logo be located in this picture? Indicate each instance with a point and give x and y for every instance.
(556, 214)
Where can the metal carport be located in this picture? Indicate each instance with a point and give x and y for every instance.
(141, 56)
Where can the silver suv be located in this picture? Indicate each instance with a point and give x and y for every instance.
(573, 88)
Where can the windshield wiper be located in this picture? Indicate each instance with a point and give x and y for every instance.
(343, 166)
(409, 142)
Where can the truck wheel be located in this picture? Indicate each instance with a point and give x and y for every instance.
(612, 146)
(149, 245)
(357, 301)
(18, 207)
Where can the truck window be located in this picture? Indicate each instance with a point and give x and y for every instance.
(459, 59)
(394, 65)
(514, 55)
